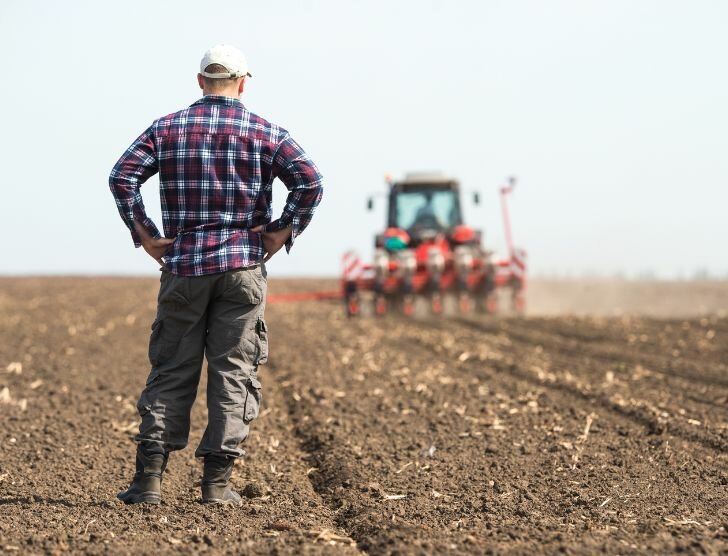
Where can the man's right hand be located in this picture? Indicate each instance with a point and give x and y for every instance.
(155, 247)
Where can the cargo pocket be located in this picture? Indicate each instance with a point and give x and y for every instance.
(160, 350)
(154, 343)
(261, 333)
(253, 397)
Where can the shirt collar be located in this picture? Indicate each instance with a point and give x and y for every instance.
(219, 99)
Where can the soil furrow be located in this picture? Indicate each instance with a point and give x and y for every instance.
(647, 412)
(710, 373)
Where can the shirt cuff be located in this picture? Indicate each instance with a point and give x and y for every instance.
(149, 225)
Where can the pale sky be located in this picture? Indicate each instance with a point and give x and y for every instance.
(613, 115)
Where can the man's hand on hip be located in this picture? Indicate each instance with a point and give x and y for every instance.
(155, 247)
(273, 241)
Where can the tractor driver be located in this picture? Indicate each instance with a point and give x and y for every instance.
(426, 218)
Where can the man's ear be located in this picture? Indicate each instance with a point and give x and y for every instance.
(200, 81)
(241, 86)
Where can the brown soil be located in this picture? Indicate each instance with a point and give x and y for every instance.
(466, 434)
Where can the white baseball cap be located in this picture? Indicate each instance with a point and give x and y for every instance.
(227, 56)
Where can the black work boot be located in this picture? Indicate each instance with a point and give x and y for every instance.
(146, 486)
(216, 481)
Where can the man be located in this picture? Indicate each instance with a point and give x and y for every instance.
(216, 162)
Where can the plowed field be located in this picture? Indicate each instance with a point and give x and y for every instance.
(469, 434)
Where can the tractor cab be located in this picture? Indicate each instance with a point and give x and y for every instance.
(424, 206)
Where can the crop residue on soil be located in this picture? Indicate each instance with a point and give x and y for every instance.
(467, 434)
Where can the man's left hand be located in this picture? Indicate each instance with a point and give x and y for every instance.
(273, 241)
(156, 247)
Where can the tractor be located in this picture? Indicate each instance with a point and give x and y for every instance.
(428, 253)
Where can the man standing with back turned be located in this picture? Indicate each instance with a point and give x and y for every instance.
(216, 163)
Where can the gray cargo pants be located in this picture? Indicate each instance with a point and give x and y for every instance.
(219, 316)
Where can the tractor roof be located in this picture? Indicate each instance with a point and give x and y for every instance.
(425, 179)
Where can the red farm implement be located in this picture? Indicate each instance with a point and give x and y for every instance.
(428, 254)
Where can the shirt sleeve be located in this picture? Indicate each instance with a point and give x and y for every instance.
(136, 165)
(305, 188)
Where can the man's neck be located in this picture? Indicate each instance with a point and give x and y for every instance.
(221, 94)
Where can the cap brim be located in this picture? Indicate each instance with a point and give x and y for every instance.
(226, 75)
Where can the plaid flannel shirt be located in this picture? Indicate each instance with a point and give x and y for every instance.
(216, 163)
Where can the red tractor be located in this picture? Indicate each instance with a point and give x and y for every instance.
(428, 253)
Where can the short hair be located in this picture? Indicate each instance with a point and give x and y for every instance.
(220, 83)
